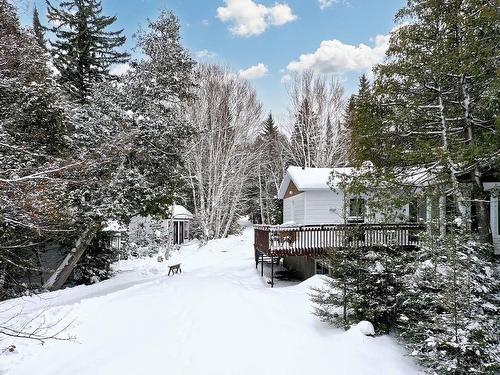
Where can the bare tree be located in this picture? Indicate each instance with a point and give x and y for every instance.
(226, 116)
(15, 324)
(317, 136)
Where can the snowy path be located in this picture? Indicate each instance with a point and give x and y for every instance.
(217, 317)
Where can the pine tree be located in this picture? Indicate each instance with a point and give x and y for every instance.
(131, 136)
(264, 204)
(437, 88)
(83, 50)
(363, 121)
(270, 129)
(447, 316)
(38, 30)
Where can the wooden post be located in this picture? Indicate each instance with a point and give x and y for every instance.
(261, 264)
(272, 271)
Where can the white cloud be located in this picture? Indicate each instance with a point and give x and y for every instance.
(205, 22)
(205, 54)
(333, 56)
(119, 69)
(323, 4)
(253, 72)
(250, 18)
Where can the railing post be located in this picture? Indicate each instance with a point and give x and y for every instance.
(261, 264)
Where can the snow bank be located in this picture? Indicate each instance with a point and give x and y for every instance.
(316, 281)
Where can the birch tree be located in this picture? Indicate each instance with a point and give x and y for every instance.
(226, 116)
(317, 135)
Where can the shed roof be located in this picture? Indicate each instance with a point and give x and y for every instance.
(181, 213)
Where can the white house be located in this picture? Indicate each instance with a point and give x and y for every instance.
(308, 199)
(317, 218)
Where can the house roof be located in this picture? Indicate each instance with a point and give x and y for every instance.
(181, 213)
(306, 179)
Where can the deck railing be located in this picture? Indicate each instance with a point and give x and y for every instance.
(318, 239)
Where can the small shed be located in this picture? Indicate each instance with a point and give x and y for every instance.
(182, 219)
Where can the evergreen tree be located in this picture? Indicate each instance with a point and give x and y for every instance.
(270, 129)
(264, 205)
(83, 50)
(134, 134)
(363, 122)
(448, 310)
(364, 285)
(34, 148)
(38, 30)
(438, 91)
(437, 128)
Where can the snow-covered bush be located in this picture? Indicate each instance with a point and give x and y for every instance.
(449, 312)
(443, 300)
(147, 236)
(363, 286)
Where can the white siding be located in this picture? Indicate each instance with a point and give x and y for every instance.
(323, 207)
(293, 209)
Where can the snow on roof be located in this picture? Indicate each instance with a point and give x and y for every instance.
(113, 226)
(309, 178)
(181, 212)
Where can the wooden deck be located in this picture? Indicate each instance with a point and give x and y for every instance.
(313, 240)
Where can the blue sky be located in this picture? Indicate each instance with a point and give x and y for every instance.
(245, 33)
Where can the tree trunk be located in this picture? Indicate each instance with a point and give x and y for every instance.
(171, 233)
(480, 199)
(61, 274)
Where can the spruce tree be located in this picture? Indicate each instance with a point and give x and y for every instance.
(363, 120)
(270, 130)
(84, 49)
(38, 30)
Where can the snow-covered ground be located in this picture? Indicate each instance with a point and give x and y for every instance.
(217, 317)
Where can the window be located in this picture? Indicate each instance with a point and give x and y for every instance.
(321, 269)
(418, 211)
(356, 210)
